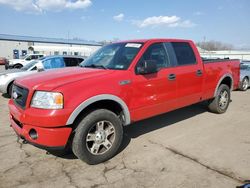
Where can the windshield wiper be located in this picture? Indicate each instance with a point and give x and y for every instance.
(95, 66)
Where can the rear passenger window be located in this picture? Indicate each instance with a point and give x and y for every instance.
(80, 60)
(184, 53)
(33, 57)
(71, 62)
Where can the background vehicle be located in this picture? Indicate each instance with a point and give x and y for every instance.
(244, 75)
(85, 108)
(19, 63)
(46, 63)
(3, 61)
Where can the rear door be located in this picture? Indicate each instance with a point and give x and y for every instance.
(189, 74)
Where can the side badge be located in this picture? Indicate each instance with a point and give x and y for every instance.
(124, 82)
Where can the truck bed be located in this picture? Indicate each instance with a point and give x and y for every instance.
(214, 71)
(206, 60)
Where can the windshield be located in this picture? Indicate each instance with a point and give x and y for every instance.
(116, 56)
(29, 65)
(24, 57)
(244, 66)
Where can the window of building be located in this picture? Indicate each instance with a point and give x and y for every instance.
(24, 53)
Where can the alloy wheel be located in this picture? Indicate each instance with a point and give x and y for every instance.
(100, 137)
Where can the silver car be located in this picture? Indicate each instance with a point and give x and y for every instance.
(46, 63)
(244, 75)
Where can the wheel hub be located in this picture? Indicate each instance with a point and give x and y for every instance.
(245, 84)
(100, 137)
(223, 99)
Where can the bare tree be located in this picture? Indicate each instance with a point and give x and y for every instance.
(214, 45)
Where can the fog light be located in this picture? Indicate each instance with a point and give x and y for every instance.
(33, 134)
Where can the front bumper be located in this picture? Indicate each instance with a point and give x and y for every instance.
(46, 137)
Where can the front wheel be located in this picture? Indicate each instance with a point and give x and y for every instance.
(98, 137)
(9, 92)
(245, 84)
(221, 101)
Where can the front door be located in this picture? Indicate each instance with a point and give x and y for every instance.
(155, 93)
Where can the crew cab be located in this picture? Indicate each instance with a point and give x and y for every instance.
(85, 108)
(19, 63)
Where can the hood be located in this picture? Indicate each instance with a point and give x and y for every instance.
(10, 71)
(52, 79)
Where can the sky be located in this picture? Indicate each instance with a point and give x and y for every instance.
(227, 21)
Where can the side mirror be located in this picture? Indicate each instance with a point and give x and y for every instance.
(40, 67)
(147, 67)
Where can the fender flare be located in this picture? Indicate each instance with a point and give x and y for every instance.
(97, 98)
(219, 82)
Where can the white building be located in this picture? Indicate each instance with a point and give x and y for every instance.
(12, 46)
(231, 54)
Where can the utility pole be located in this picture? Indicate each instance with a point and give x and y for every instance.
(68, 44)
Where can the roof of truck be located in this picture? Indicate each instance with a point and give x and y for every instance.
(153, 40)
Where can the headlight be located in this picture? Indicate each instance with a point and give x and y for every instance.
(47, 100)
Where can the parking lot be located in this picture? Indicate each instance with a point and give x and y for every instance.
(189, 148)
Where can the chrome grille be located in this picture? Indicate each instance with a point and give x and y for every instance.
(20, 95)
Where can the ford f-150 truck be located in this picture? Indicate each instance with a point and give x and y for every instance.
(86, 107)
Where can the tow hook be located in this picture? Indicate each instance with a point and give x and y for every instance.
(21, 141)
(47, 153)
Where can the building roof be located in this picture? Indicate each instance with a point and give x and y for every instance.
(47, 40)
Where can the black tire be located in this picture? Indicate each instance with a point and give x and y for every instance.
(80, 145)
(244, 84)
(9, 92)
(17, 66)
(215, 104)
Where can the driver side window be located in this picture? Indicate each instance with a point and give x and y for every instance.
(157, 53)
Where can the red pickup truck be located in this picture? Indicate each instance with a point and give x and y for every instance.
(86, 107)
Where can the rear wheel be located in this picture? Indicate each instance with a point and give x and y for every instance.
(17, 66)
(221, 101)
(97, 137)
(245, 84)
